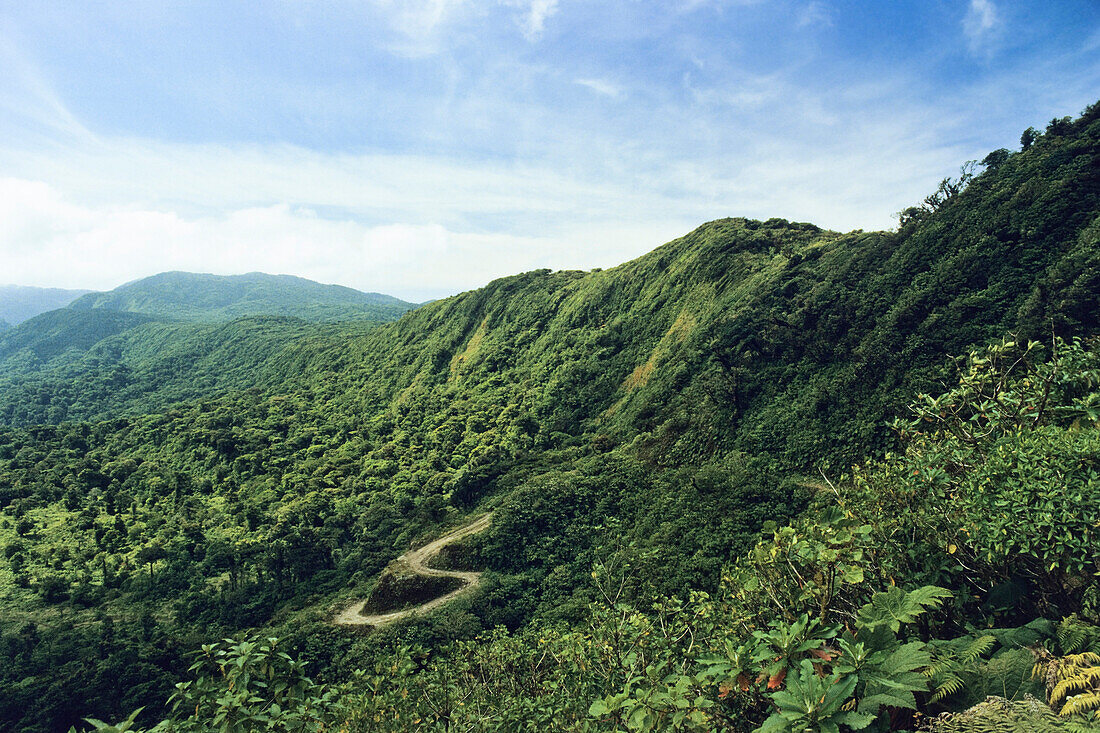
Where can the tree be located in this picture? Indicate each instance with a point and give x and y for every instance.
(1028, 138)
(996, 158)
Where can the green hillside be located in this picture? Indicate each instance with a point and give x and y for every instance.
(88, 372)
(739, 483)
(18, 302)
(198, 297)
(171, 337)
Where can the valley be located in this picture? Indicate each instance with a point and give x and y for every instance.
(763, 466)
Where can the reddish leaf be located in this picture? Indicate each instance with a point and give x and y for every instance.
(777, 679)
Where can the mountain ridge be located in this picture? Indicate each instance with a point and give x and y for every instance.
(21, 302)
(203, 296)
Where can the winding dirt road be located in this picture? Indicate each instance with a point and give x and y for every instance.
(415, 561)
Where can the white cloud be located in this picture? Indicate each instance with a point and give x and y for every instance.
(534, 15)
(427, 27)
(601, 86)
(47, 239)
(982, 26)
(814, 15)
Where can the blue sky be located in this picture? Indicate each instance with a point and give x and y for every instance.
(424, 147)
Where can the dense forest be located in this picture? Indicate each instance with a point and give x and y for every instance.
(766, 477)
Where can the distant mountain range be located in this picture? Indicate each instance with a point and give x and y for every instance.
(20, 302)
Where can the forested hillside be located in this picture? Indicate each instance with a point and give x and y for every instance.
(678, 538)
(172, 337)
(52, 376)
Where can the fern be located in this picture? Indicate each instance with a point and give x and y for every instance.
(896, 607)
(1075, 636)
(957, 658)
(1073, 683)
(998, 715)
(1085, 704)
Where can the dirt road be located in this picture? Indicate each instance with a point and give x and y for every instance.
(415, 561)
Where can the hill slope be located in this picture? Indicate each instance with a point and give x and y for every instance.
(199, 297)
(99, 365)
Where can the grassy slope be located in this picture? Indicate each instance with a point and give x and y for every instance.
(767, 337)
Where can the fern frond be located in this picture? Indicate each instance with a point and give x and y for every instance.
(1073, 683)
(1084, 659)
(954, 659)
(977, 649)
(895, 607)
(1073, 726)
(998, 715)
(1064, 689)
(1076, 636)
(949, 685)
(1081, 704)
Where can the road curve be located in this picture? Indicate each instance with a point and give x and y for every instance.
(415, 561)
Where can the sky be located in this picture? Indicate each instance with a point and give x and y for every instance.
(425, 147)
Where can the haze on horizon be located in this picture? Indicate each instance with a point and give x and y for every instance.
(423, 147)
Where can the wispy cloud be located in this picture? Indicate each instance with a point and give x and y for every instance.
(535, 15)
(26, 98)
(418, 27)
(983, 26)
(602, 86)
(814, 15)
(1092, 43)
(425, 27)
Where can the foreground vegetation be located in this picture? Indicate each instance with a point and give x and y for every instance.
(826, 623)
(678, 539)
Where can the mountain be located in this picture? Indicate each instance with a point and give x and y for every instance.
(171, 337)
(18, 302)
(199, 297)
(695, 496)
